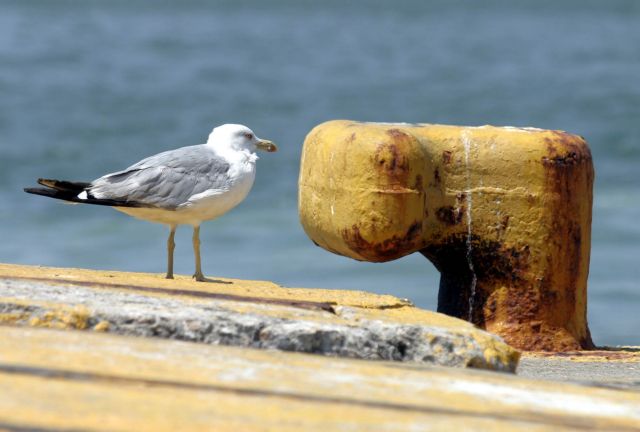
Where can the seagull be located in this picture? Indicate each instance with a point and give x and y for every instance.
(186, 186)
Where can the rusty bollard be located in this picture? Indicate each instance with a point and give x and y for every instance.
(503, 213)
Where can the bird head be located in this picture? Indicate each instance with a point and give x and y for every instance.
(239, 138)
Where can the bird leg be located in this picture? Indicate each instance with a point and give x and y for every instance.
(171, 245)
(196, 251)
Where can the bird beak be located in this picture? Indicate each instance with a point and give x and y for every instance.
(266, 145)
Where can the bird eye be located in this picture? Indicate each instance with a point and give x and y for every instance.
(248, 136)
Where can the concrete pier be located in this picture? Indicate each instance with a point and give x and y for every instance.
(97, 350)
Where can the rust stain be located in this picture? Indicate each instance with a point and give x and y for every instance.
(450, 215)
(504, 223)
(391, 163)
(397, 133)
(523, 304)
(446, 157)
(302, 304)
(490, 309)
(418, 184)
(566, 150)
(501, 225)
(351, 138)
(568, 159)
(393, 156)
(436, 177)
(494, 264)
(539, 337)
(385, 250)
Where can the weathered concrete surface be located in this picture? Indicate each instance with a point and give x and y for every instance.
(611, 367)
(246, 313)
(503, 213)
(61, 380)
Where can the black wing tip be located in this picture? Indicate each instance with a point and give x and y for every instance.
(37, 191)
(72, 196)
(64, 185)
(51, 193)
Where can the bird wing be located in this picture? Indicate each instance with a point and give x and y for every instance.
(166, 180)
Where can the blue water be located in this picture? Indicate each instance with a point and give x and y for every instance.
(88, 87)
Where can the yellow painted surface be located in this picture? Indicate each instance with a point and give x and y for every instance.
(67, 380)
(510, 205)
(110, 279)
(369, 305)
(353, 308)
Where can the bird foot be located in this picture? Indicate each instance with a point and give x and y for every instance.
(199, 277)
(202, 278)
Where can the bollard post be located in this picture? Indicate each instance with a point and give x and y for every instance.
(503, 213)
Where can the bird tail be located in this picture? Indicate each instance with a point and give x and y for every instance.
(59, 189)
(69, 191)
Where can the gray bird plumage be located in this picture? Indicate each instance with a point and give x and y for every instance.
(166, 180)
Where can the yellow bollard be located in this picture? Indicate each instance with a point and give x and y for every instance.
(503, 213)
